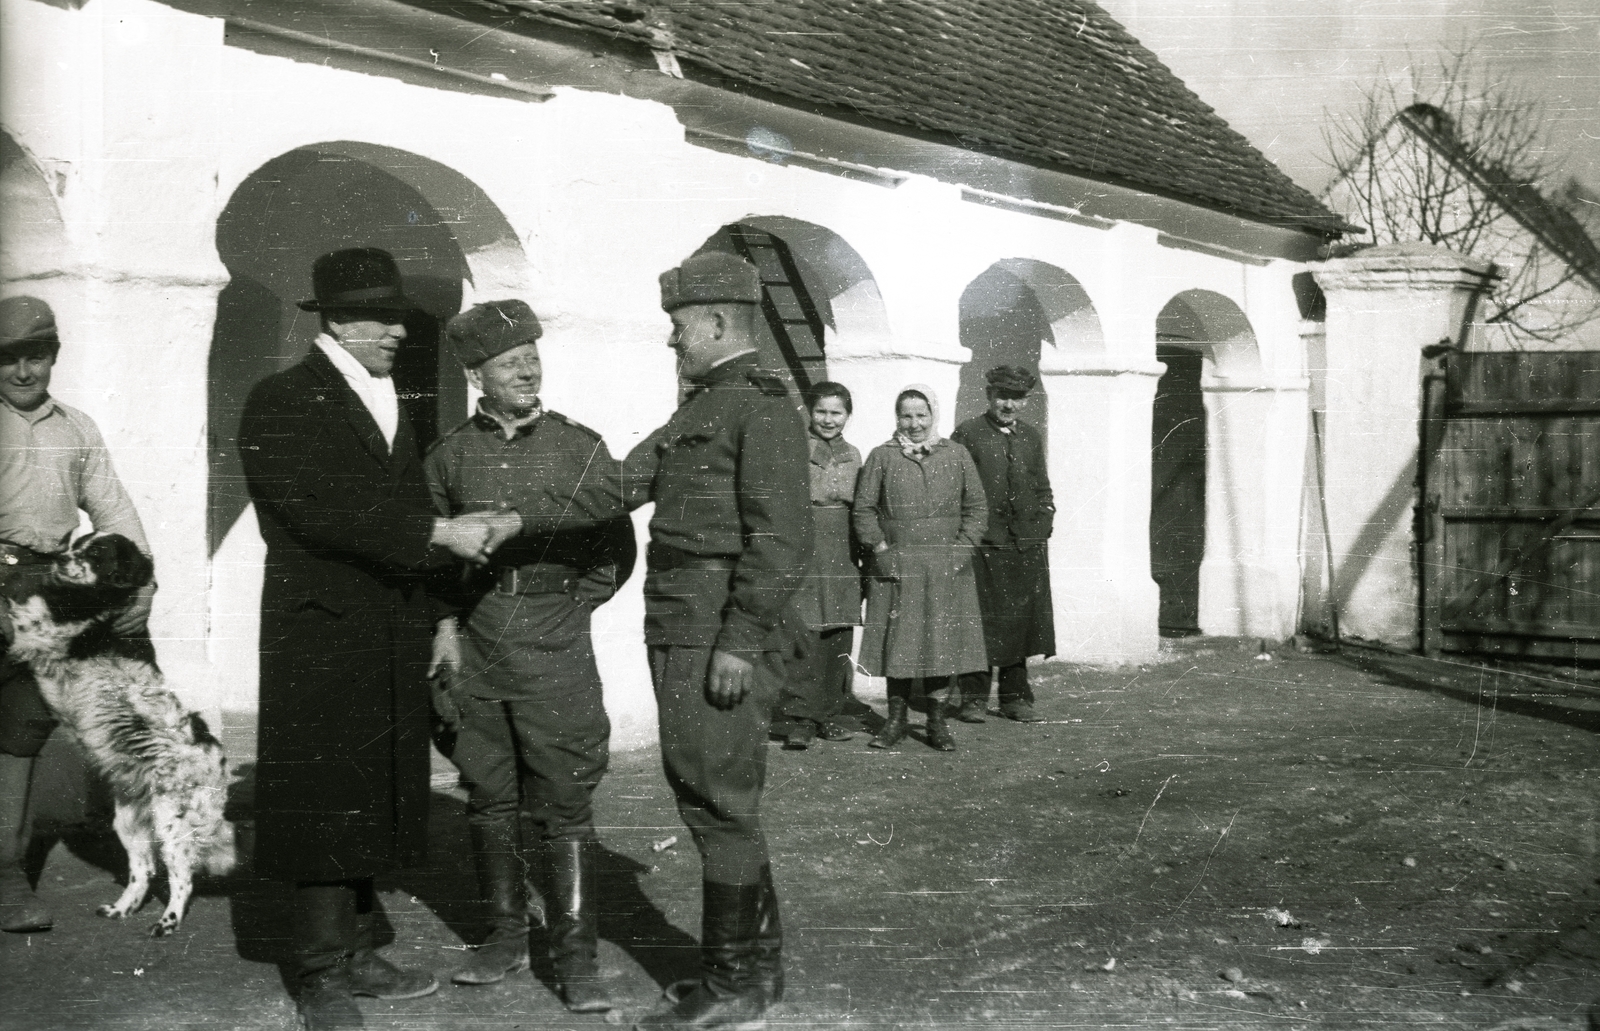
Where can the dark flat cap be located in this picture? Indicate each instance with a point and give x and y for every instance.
(27, 324)
(357, 279)
(1011, 379)
(491, 328)
(711, 278)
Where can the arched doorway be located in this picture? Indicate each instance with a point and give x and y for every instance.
(1007, 316)
(446, 236)
(34, 244)
(1203, 339)
(451, 243)
(818, 296)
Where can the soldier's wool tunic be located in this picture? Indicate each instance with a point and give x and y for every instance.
(728, 542)
(1013, 562)
(527, 660)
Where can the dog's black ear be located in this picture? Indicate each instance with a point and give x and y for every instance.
(127, 567)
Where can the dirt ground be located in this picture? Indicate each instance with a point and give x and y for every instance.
(1223, 839)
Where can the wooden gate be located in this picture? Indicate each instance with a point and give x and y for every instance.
(1510, 524)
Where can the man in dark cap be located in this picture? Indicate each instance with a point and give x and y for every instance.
(342, 773)
(1013, 561)
(518, 690)
(728, 541)
(53, 463)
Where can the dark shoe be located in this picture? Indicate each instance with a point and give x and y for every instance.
(972, 712)
(701, 1009)
(831, 731)
(21, 911)
(894, 728)
(939, 735)
(575, 926)
(800, 736)
(371, 974)
(497, 853)
(730, 995)
(323, 1003)
(1020, 711)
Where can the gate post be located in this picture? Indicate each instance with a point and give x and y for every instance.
(1384, 306)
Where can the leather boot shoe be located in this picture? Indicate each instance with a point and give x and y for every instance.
(371, 974)
(939, 735)
(323, 1003)
(21, 911)
(702, 1009)
(972, 711)
(894, 728)
(497, 853)
(575, 926)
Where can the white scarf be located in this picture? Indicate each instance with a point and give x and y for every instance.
(376, 392)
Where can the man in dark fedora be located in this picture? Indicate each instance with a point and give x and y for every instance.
(342, 773)
(1013, 561)
(53, 464)
(520, 696)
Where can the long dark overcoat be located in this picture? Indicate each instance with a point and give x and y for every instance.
(1013, 560)
(342, 770)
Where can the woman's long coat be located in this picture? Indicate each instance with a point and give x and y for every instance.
(924, 622)
(829, 595)
(342, 769)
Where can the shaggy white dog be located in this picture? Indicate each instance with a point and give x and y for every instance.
(166, 771)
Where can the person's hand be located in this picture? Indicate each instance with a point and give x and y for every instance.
(885, 564)
(136, 614)
(499, 527)
(465, 537)
(443, 667)
(731, 679)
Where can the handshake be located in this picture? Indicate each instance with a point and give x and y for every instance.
(474, 536)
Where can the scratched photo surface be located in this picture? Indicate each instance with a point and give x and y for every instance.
(800, 513)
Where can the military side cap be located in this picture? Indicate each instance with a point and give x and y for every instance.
(27, 324)
(710, 278)
(1012, 379)
(491, 328)
(357, 279)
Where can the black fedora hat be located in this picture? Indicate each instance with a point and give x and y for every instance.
(360, 278)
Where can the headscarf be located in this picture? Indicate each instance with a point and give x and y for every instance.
(908, 447)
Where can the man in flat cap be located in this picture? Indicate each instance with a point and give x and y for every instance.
(1012, 561)
(728, 542)
(517, 687)
(342, 794)
(53, 463)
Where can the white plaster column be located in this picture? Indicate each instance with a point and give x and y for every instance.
(1384, 306)
(1106, 605)
(1250, 573)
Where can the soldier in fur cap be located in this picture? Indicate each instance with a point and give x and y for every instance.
(516, 685)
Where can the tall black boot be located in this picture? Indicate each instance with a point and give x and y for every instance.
(324, 926)
(730, 995)
(497, 853)
(575, 926)
(894, 728)
(371, 974)
(769, 940)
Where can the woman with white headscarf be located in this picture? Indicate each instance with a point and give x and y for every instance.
(920, 509)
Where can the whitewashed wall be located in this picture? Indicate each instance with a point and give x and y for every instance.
(142, 125)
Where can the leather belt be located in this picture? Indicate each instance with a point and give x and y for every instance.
(17, 555)
(536, 579)
(664, 558)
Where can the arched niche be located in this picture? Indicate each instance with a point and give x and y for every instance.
(1020, 311)
(448, 238)
(34, 243)
(1206, 472)
(818, 292)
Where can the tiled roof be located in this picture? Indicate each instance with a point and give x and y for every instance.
(1555, 227)
(1053, 83)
